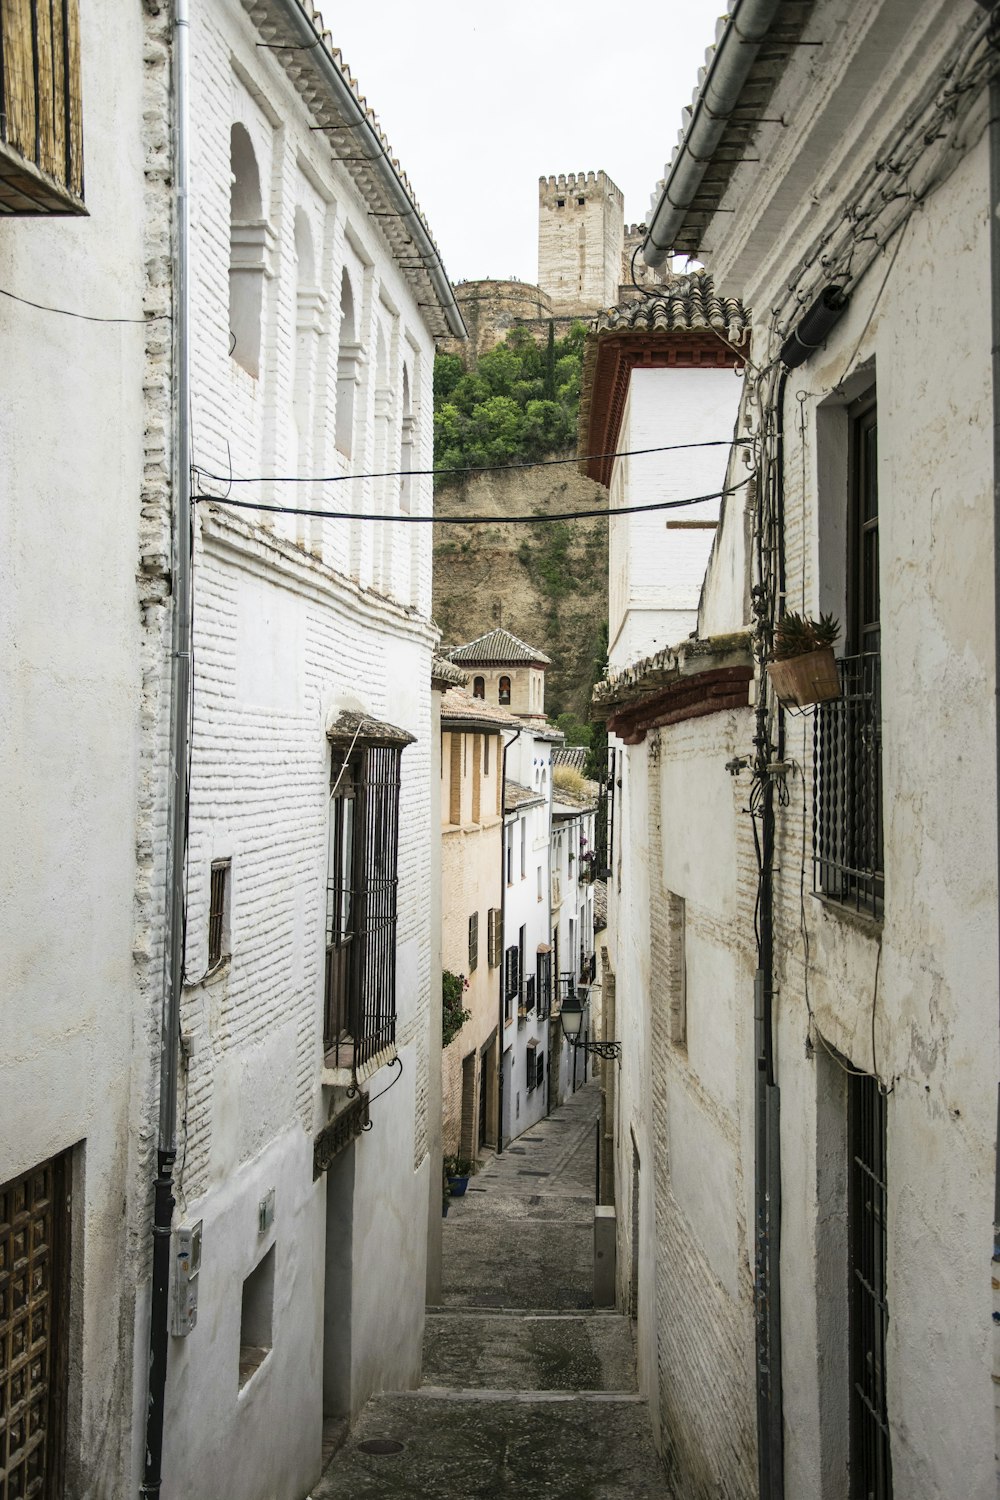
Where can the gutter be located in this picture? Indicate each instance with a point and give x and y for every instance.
(369, 142)
(177, 788)
(734, 56)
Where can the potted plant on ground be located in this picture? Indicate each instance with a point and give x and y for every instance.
(802, 669)
(457, 1171)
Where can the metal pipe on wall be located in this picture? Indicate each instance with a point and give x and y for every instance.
(177, 789)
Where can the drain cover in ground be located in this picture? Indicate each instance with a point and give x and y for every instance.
(530, 1172)
(517, 1151)
(380, 1446)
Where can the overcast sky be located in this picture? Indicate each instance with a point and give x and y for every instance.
(479, 101)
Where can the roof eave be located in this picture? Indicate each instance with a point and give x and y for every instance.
(382, 164)
(683, 198)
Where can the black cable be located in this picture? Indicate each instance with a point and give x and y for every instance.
(432, 520)
(533, 463)
(67, 312)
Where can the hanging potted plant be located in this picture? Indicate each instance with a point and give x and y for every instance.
(802, 668)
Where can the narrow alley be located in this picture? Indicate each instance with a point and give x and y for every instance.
(528, 1390)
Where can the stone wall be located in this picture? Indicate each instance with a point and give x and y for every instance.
(548, 584)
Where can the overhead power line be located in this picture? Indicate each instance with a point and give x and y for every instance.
(604, 513)
(535, 463)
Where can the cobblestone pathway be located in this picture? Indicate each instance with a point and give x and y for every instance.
(528, 1391)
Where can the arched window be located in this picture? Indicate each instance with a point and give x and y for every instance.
(505, 690)
(348, 366)
(479, 687)
(248, 234)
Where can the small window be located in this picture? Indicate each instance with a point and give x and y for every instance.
(532, 1066)
(479, 687)
(504, 686)
(538, 882)
(473, 941)
(218, 913)
(580, 202)
(524, 847)
(560, 203)
(256, 1317)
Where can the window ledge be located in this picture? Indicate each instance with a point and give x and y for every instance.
(861, 921)
(335, 1078)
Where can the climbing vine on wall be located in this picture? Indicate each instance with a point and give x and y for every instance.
(520, 402)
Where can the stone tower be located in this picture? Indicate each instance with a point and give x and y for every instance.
(581, 234)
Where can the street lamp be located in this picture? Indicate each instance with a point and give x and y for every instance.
(571, 1016)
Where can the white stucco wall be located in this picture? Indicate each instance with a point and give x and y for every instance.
(71, 426)
(295, 620)
(912, 997)
(657, 560)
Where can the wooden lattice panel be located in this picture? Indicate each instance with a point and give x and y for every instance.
(33, 1215)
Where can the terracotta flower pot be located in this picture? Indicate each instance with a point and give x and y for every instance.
(802, 680)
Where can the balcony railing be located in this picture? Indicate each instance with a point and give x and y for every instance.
(848, 863)
(41, 118)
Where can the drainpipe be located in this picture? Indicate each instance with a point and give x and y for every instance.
(732, 59)
(767, 1116)
(503, 951)
(180, 685)
(994, 132)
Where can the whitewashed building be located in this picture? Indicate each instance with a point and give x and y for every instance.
(508, 673)
(572, 875)
(472, 738)
(806, 1123)
(82, 331)
(310, 1016)
(663, 369)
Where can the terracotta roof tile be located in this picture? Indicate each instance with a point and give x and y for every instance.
(500, 648)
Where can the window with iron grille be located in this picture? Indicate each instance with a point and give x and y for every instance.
(360, 997)
(473, 941)
(529, 993)
(532, 1069)
(871, 1466)
(543, 975)
(511, 978)
(847, 735)
(218, 912)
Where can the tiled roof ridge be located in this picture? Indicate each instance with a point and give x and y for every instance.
(361, 176)
(497, 637)
(457, 704)
(683, 301)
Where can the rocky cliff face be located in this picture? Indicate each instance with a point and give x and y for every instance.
(547, 581)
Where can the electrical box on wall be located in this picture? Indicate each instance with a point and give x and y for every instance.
(184, 1269)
